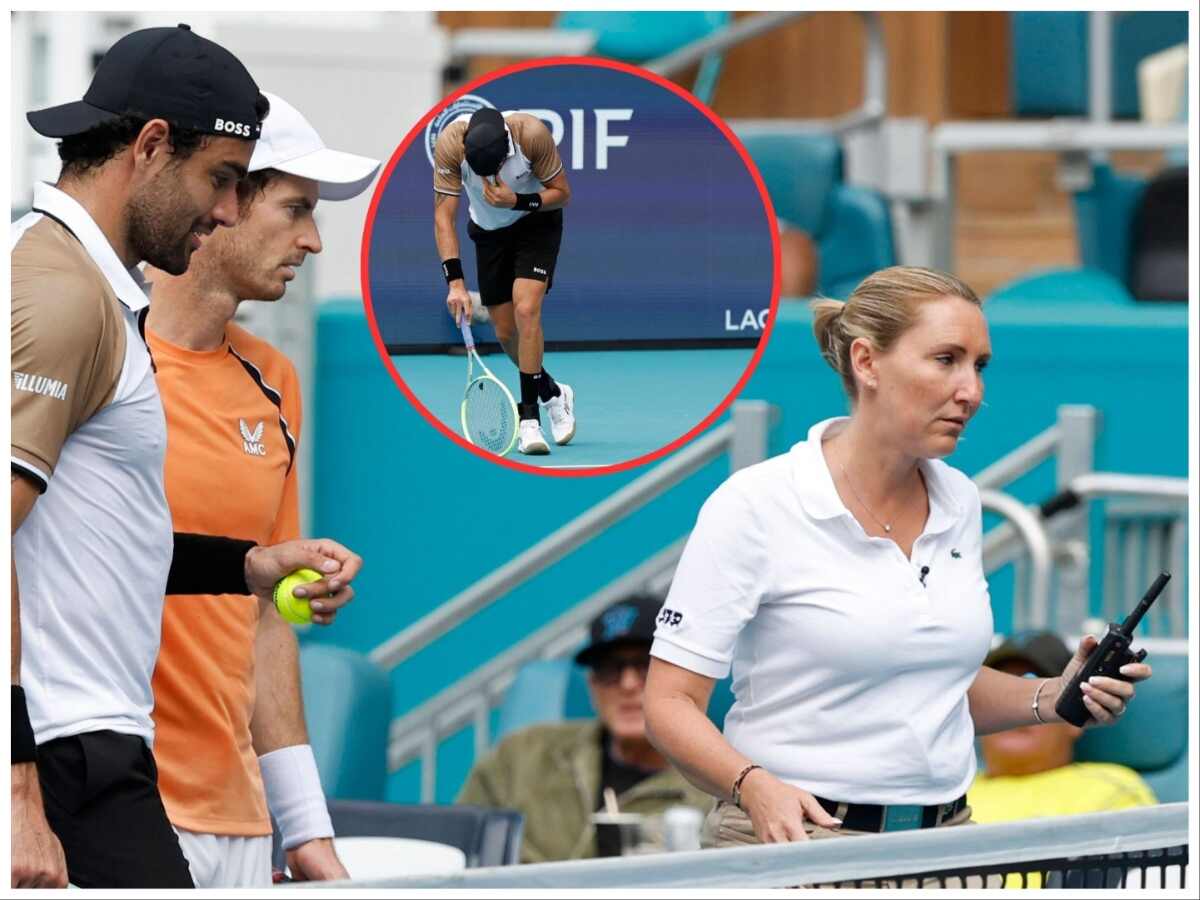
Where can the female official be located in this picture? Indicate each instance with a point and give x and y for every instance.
(843, 583)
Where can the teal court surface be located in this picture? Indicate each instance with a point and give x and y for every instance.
(627, 402)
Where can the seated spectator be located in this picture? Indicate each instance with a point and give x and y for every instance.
(556, 774)
(798, 262)
(1031, 771)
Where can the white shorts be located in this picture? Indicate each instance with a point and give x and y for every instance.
(227, 861)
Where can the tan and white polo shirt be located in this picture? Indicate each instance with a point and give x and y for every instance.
(87, 426)
(532, 161)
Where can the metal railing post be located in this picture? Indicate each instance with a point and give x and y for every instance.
(751, 431)
(1100, 66)
(1029, 526)
(1078, 426)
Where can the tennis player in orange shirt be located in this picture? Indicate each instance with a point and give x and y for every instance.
(231, 742)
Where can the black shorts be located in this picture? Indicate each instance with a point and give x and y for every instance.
(528, 248)
(100, 791)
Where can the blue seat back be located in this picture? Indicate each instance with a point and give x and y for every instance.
(851, 225)
(1104, 220)
(639, 36)
(348, 709)
(1085, 286)
(1050, 59)
(1152, 736)
(554, 690)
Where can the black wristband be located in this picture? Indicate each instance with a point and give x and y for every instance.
(452, 269)
(24, 747)
(203, 564)
(528, 202)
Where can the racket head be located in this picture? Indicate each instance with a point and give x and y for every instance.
(489, 415)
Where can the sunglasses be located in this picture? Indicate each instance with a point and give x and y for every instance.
(610, 671)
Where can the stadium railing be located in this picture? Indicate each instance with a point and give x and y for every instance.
(1144, 532)
(1145, 847)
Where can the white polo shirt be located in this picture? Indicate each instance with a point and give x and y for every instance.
(87, 426)
(850, 675)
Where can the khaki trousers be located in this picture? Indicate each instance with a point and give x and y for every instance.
(727, 826)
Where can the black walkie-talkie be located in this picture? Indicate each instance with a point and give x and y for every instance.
(1108, 657)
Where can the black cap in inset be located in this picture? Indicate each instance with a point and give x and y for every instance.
(1043, 651)
(168, 73)
(629, 621)
(486, 142)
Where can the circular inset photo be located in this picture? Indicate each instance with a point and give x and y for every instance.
(570, 266)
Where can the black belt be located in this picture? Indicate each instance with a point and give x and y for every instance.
(869, 817)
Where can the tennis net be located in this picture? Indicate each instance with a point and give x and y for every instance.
(1136, 848)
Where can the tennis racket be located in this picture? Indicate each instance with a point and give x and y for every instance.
(488, 412)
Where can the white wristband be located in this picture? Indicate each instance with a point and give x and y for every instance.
(294, 795)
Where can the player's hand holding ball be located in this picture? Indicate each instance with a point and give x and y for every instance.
(334, 565)
(499, 193)
(293, 609)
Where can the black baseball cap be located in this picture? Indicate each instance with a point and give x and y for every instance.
(168, 73)
(1043, 651)
(486, 141)
(629, 621)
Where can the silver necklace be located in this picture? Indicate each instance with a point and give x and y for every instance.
(887, 528)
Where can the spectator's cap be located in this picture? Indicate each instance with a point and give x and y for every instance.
(1044, 652)
(168, 73)
(486, 142)
(630, 621)
(289, 144)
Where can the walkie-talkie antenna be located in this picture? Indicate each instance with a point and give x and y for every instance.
(1132, 620)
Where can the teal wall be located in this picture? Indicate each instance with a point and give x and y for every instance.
(430, 518)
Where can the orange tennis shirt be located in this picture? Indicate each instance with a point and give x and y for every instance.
(233, 418)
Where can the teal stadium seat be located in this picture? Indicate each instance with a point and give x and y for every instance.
(554, 690)
(348, 709)
(1049, 68)
(1104, 220)
(1104, 217)
(1053, 286)
(637, 37)
(852, 227)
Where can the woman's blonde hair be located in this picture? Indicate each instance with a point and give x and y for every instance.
(882, 307)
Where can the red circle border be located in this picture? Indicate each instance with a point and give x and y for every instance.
(586, 471)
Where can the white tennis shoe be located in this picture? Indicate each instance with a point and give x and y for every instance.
(530, 439)
(561, 410)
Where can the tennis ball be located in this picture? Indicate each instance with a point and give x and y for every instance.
(294, 609)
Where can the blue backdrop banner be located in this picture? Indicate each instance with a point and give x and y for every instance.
(667, 240)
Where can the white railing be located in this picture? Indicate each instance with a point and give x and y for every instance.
(1145, 527)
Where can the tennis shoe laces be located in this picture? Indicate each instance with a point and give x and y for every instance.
(530, 439)
(561, 410)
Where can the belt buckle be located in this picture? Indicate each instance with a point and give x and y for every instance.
(902, 818)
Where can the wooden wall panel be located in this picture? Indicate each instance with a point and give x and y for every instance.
(977, 65)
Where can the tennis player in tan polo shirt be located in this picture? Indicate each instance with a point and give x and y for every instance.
(516, 187)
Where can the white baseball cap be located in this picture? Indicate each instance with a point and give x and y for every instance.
(289, 144)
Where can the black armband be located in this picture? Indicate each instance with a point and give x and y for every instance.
(452, 269)
(203, 564)
(528, 202)
(24, 747)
